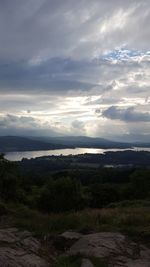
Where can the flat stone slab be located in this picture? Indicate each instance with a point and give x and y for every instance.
(99, 245)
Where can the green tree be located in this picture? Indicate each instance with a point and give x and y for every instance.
(62, 194)
(140, 184)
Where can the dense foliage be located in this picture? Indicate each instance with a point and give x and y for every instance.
(71, 188)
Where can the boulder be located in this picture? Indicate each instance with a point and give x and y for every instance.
(86, 263)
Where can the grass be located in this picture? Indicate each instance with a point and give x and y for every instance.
(134, 221)
(130, 203)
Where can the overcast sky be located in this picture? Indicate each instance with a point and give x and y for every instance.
(75, 68)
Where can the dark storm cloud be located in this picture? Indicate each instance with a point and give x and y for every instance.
(126, 114)
(60, 76)
(49, 76)
(64, 75)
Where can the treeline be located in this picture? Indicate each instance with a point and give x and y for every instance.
(42, 165)
(71, 188)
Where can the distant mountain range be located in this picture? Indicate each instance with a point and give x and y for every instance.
(16, 143)
(91, 142)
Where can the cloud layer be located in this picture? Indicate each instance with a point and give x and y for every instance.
(75, 67)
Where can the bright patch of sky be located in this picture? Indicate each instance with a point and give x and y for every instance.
(125, 54)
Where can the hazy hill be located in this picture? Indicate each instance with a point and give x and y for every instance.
(84, 141)
(15, 143)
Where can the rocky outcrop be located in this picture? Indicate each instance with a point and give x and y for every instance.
(115, 247)
(19, 249)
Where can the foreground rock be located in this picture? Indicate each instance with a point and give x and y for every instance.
(115, 247)
(19, 249)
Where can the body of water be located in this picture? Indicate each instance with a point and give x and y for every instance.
(17, 156)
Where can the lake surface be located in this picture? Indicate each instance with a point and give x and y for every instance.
(17, 156)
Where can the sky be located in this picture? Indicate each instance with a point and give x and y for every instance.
(75, 68)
